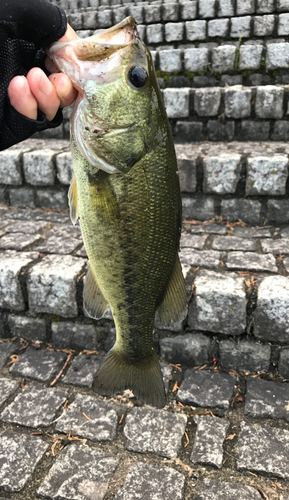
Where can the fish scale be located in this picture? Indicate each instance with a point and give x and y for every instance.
(126, 194)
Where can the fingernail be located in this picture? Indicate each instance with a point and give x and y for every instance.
(63, 84)
(23, 86)
(46, 85)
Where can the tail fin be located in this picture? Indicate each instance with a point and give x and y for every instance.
(144, 379)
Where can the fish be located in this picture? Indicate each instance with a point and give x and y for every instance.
(125, 193)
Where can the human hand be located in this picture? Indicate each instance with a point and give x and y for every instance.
(37, 91)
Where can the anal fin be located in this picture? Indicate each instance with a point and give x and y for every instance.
(72, 200)
(173, 307)
(94, 303)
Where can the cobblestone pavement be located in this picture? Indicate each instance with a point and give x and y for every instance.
(224, 434)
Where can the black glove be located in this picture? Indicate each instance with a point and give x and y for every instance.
(26, 28)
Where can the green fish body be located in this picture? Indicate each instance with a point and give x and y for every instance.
(126, 195)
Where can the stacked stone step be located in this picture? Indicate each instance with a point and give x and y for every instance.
(198, 44)
(235, 181)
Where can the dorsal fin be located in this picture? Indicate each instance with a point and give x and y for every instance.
(72, 200)
(174, 304)
(94, 302)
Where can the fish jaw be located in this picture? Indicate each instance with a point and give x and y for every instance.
(95, 57)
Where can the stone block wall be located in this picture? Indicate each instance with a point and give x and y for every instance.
(238, 181)
(200, 49)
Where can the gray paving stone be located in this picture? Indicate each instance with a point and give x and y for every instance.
(170, 60)
(189, 10)
(189, 349)
(209, 438)
(174, 32)
(278, 211)
(200, 208)
(52, 285)
(267, 175)
(81, 252)
(80, 473)
(241, 209)
(275, 246)
(55, 198)
(167, 375)
(271, 317)
(18, 241)
(249, 261)
(196, 59)
(225, 8)
(267, 399)
(64, 230)
(10, 170)
(196, 30)
(206, 389)
(264, 6)
(25, 226)
(238, 102)
(265, 449)
(219, 303)
(214, 490)
(209, 228)
(82, 370)
(7, 387)
(227, 243)
(223, 58)
(38, 167)
(209, 259)
(145, 482)
(34, 406)
(75, 335)
(221, 173)
(207, 101)
(30, 329)
(244, 356)
(62, 246)
(64, 168)
(177, 102)
(284, 363)
(102, 422)
(154, 431)
(5, 352)
(218, 27)
(285, 232)
(38, 364)
(192, 241)
(240, 27)
(250, 56)
(251, 232)
(264, 25)
(19, 455)
(11, 265)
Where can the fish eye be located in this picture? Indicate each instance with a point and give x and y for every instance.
(137, 76)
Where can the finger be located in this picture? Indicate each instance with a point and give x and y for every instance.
(69, 36)
(44, 92)
(64, 88)
(21, 97)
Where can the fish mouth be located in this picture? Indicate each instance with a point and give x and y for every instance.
(76, 57)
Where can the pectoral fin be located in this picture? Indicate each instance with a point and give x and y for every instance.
(72, 200)
(94, 302)
(174, 304)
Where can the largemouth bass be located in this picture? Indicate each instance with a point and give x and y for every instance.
(126, 194)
